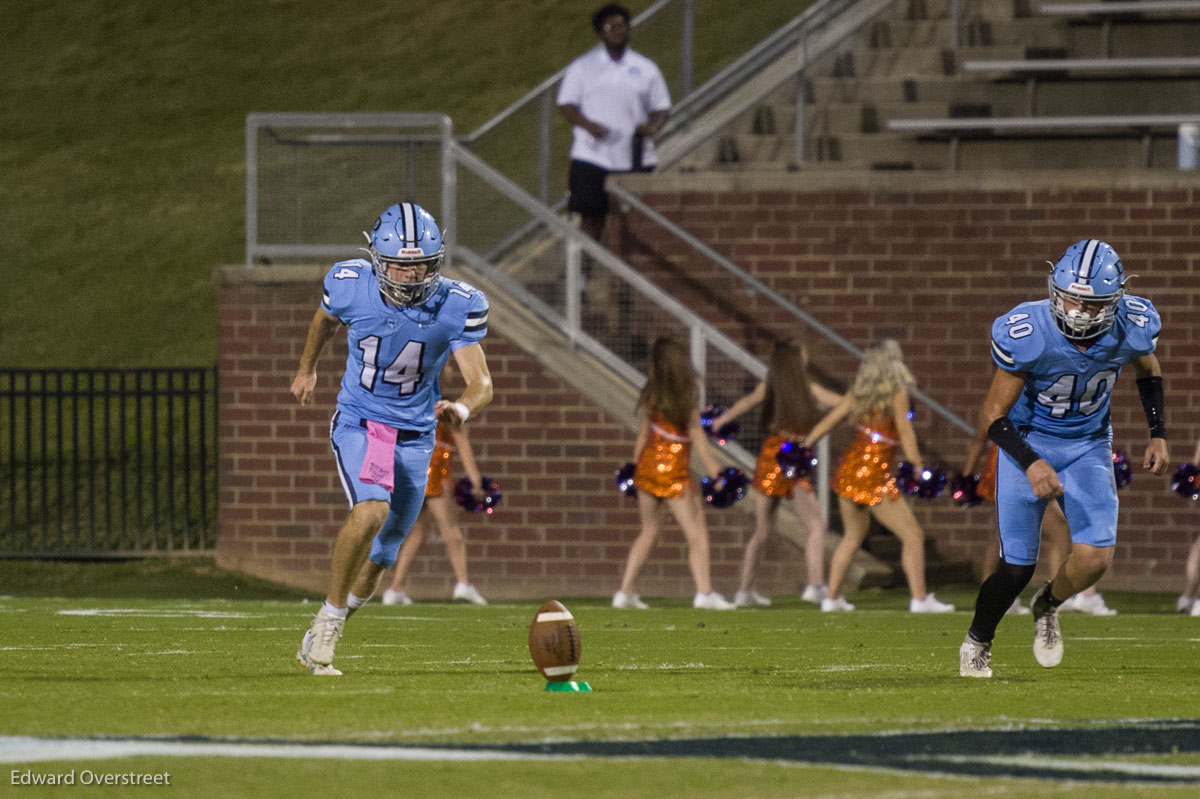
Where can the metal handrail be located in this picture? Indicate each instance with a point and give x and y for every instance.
(606, 257)
(1137, 122)
(691, 103)
(797, 34)
(701, 331)
(753, 61)
(1101, 64)
(346, 122)
(757, 286)
(1112, 8)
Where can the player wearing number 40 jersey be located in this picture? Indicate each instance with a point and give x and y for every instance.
(403, 320)
(1048, 410)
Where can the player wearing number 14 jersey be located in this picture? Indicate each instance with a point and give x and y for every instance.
(403, 320)
(1048, 410)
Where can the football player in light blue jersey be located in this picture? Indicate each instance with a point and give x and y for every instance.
(1048, 410)
(403, 320)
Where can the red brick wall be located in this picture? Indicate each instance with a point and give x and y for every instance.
(931, 261)
(562, 528)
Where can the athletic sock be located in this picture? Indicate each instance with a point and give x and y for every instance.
(354, 602)
(1045, 602)
(996, 596)
(330, 611)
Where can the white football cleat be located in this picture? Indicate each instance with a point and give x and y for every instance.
(320, 643)
(391, 597)
(930, 604)
(1184, 604)
(1047, 637)
(974, 658)
(465, 592)
(712, 601)
(1195, 611)
(745, 599)
(306, 661)
(814, 594)
(302, 652)
(1092, 604)
(835, 604)
(626, 601)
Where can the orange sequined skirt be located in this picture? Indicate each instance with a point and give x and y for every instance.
(439, 471)
(662, 465)
(987, 481)
(865, 474)
(768, 474)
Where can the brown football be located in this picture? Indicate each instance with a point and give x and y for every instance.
(554, 642)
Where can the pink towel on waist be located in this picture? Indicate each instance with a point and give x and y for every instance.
(379, 466)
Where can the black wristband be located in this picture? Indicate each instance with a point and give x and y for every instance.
(1008, 439)
(1151, 391)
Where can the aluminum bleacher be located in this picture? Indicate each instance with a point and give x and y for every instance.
(1035, 70)
(1158, 73)
(1142, 126)
(1105, 12)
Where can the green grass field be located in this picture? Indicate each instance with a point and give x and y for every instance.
(443, 700)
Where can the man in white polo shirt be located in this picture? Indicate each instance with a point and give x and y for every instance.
(616, 101)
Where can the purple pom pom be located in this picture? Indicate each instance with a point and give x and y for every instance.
(1186, 481)
(964, 490)
(795, 460)
(730, 486)
(728, 432)
(926, 485)
(1121, 469)
(625, 480)
(485, 504)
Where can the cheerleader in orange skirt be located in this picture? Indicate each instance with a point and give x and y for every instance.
(877, 405)
(792, 404)
(670, 428)
(439, 505)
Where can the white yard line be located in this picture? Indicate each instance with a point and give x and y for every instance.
(29, 750)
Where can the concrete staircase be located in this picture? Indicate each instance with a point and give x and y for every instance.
(900, 65)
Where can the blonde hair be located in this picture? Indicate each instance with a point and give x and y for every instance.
(789, 404)
(881, 374)
(671, 385)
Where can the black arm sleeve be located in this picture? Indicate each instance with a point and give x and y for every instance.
(1150, 389)
(1009, 440)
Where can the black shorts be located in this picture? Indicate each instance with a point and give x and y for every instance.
(586, 184)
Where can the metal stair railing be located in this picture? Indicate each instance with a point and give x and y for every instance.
(756, 286)
(718, 359)
(821, 16)
(761, 71)
(543, 95)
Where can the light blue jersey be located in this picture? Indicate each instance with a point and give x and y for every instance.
(1063, 414)
(397, 354)
(1066, 391)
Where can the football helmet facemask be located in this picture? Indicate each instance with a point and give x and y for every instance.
(1090, 271)
(406, 234)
